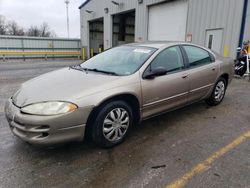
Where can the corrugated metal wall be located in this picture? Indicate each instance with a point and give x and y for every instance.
(216, 14)
(38, 44)
(202, 15)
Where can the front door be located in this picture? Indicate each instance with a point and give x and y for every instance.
(214, 39)
(168, 91)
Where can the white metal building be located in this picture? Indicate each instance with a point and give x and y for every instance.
(221, 25)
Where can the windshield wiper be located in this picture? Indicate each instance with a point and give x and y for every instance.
(77, 67)
(80, 68)
(101, 71)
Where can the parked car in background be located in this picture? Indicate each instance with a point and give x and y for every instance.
(111, 92)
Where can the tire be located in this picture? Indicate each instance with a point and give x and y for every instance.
(218, 93)
(112, 124)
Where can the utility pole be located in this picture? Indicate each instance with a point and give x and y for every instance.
(67, 10)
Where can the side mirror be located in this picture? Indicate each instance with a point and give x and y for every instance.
(159, 71)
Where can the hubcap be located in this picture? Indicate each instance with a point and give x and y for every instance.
(219, 91)
(116, 124)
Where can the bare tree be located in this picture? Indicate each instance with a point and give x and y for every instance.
(33, 31)
(42, 31)
(14, 29)
(3, 26)
(45, 30)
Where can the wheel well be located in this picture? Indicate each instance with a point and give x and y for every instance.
(128, 98)
(226, 77)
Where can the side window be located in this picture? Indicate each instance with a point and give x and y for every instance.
(170, 59)
(197, 56)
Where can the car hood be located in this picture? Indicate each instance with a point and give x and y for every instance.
(62, 85)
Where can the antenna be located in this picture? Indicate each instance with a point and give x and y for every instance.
(67, 11)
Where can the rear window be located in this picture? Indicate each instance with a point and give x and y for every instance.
(197, 56)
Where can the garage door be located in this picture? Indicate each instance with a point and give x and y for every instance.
(168, 21)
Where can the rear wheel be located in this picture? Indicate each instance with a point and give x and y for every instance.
(112, 124)
(218, 93)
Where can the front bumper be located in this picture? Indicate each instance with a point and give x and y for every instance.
(47, 130)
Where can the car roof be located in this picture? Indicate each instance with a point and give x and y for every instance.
(158, 44)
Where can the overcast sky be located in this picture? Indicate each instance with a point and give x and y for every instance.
(35, 12)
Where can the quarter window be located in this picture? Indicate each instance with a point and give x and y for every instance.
(197, 56)
(170, 59)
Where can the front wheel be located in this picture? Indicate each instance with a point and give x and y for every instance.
(218, 93)
(112, 124)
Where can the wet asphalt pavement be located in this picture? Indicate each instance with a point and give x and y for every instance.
(156, 153)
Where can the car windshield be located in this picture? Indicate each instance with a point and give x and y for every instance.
(123, 60)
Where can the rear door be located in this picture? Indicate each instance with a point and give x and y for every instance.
(202, 71)
(168, 91)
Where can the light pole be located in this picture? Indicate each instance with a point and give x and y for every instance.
(67, 10)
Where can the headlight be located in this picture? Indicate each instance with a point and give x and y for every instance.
(49, 108)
